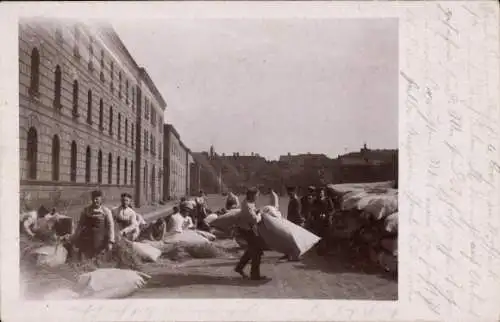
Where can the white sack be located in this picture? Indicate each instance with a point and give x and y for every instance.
(110, 283)
(146, 252)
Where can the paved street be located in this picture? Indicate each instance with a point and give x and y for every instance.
(330, 277)
(313, 278)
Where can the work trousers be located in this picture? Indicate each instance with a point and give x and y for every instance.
(253, 252)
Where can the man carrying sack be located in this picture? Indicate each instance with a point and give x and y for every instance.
(247, 229)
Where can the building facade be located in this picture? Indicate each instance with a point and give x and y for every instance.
(79, 114)
(176, 165)
(150, 131)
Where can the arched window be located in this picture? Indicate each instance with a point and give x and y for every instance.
(57, 87)
(32, 149)
(133, 96)
(119, 126)
(110, 168)
(88, 167)
(99, 167)
(125, 174)
(73, 161)
(55, 157)
(126, 91)
(102, 59)
(145, 178)
(111, 120)
(118, 170)
(153, 188)
(131, 172)
(119, 84)
(35, 72)
(91, 54)
(75, 97)
(89, 107)
(112, 77)
(101, 115)
(132, 138)
(126, 131)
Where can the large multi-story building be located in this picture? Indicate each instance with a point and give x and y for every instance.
(176, 165)
(150, 129)
(84, 105)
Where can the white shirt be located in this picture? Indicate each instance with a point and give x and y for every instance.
(179, 223)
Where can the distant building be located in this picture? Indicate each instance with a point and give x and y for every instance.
(176, 165)
(81, 99)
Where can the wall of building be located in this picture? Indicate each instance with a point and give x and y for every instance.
(190, 161)
(176, 184)
(151, 138)
(104, 133)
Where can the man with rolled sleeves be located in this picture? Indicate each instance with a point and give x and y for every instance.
(249, 217)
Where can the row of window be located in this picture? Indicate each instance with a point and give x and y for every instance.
(149, 145)
(32, 158)
(148, 109)
(34, 87)
(176, 152)
(102, 77)
(150, 181)
(150, 114)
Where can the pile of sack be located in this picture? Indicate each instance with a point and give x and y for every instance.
(369, 215)
(103, 283)
(179, 246)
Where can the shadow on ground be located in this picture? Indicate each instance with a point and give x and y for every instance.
(339, 261)
(173, 280)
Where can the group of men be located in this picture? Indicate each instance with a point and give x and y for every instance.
(99, 227)
(314, 211)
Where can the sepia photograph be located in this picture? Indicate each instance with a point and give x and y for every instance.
(208, 158)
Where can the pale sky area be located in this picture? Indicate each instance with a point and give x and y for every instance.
(274, 86)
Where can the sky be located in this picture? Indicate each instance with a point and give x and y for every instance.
(273, 86)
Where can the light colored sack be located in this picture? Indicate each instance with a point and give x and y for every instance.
(61, 294)
(110, 283)
(226, 221)
(391, 223)
(272, 211)
(146, 252)
(379, 206)
(274, 200)
(51, 256)
(206, 234)
(160, 245)
(187, 237)
(210, 218)
(351, 199)
(285, 237)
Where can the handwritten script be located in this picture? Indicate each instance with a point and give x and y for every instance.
(452, 186)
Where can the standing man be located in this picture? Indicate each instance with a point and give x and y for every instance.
(306, 206)
(321, 212)
(294, 212)
(96, 231)
(201, 211)
(126, 218)
(247, 228)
